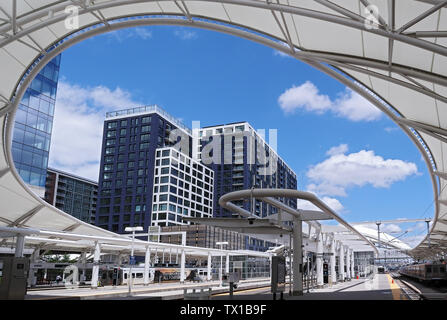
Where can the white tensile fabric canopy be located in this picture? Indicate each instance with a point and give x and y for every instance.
(393, 52)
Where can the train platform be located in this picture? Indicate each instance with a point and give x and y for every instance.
(379, 287)
(156, 291)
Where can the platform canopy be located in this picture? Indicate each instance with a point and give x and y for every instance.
(386, 240)
(391, 52)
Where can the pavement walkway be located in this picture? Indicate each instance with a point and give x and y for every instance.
(380, 287)
(152, 291)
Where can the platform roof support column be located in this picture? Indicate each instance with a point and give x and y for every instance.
(208, 274)
(348, 263)
(333, 261)
(227, 264)
(319, 261)
(120, 259)
(352, 264)
(32, 279)
(147, 263)
(95, 270)
(83, 260)
(297, 263)
(341, 265)
(182, 267)
(20, 245)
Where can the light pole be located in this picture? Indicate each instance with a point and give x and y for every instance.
(221, 244)
(427, 221)
(132, 259)
(378, 232)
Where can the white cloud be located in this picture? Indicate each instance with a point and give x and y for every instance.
(78, 126)
(143, 33)
(349, 104)
(391, 228)
(131, 33)
(280, 53)
(305, 96)
(333, 203)
(413, 241)
(340, 171)
(354, 107)
(185, 34)
(418, 227)
(391, 129)
(341, 149)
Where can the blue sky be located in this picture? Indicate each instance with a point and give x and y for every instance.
(374, 171)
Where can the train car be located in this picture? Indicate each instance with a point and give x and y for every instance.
(137, 275)
(110, 274)
(173, 273)
(428, 272)
(160, 274)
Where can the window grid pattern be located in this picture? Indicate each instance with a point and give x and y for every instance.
(127, 169)
(182, 188)
(33, 125)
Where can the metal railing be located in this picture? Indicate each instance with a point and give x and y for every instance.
(149, 109)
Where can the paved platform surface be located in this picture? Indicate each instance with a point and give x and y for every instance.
(381, 287)
(157, 291)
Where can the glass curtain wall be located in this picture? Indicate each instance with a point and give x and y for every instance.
(33, 126)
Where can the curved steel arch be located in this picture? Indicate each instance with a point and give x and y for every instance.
(23, 29)
(266, 194)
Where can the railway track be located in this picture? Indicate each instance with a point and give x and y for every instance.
(410, 291)
(417, 291)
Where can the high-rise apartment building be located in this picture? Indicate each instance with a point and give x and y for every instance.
(74, 195)
(149, 178)
(242, 160)
(33, 126)
(128, 164)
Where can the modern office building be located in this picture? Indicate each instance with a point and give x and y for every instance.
(72, 194)
(246, 161)
(183, 187)
(33, 126)
(126, 181)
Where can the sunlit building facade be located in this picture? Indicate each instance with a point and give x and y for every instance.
(126, 179)
(33, 125)
(183, 188)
